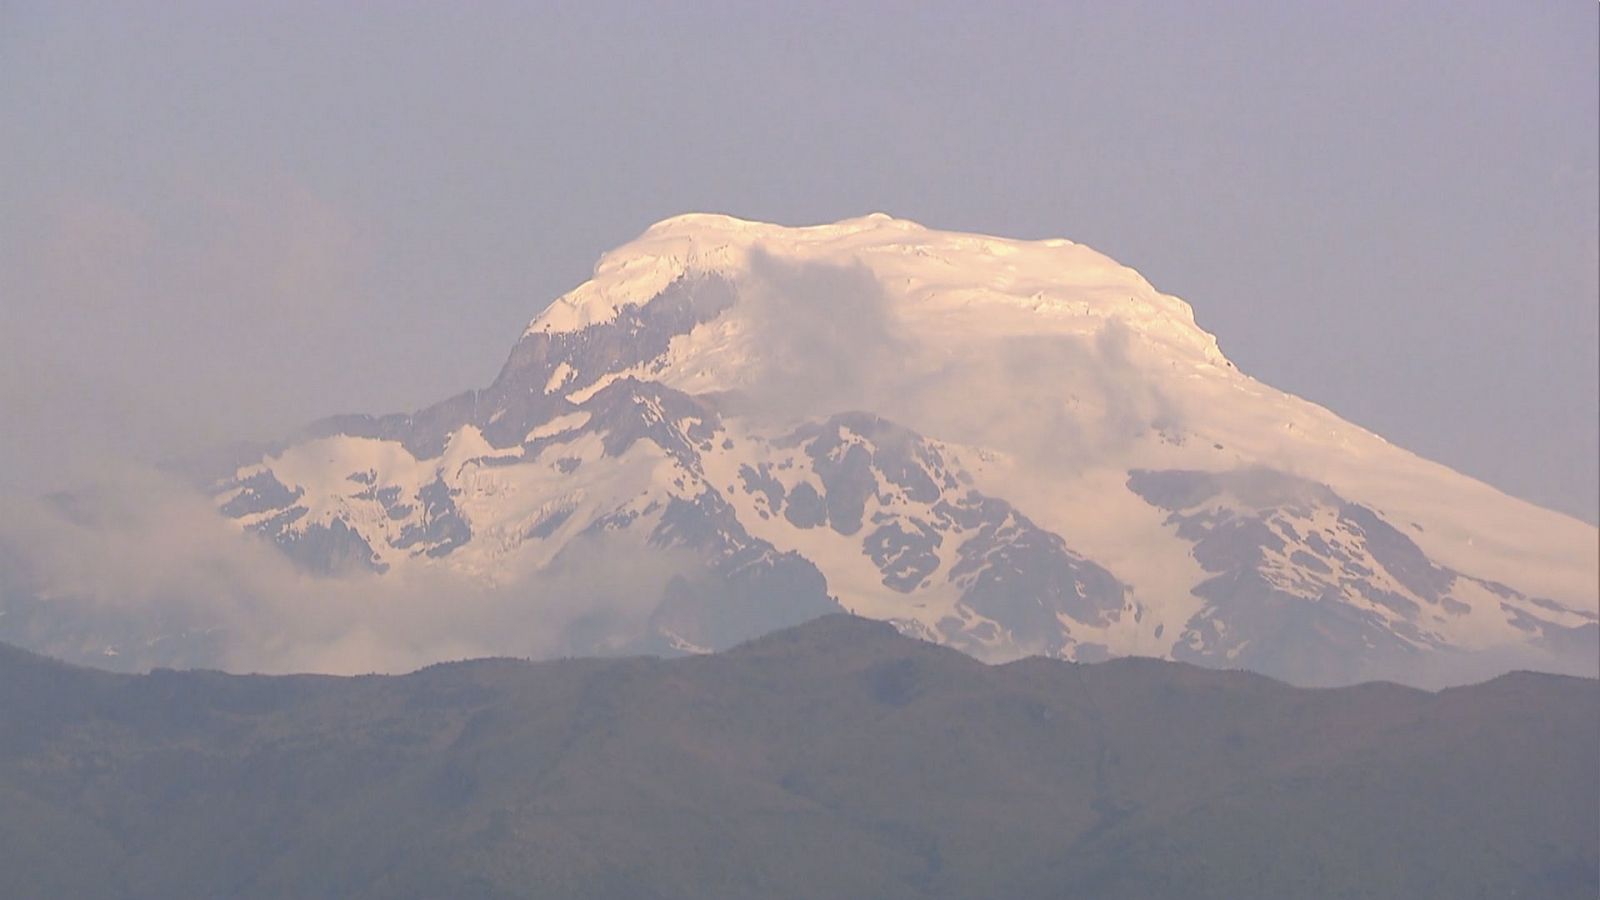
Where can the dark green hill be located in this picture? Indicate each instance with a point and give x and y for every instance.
(836, 759)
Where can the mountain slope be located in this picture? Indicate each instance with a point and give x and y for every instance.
(1010, 447)
(833, 759)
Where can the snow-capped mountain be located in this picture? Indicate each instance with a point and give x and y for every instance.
(1011, 447)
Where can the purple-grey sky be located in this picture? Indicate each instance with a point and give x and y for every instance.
(224, 220)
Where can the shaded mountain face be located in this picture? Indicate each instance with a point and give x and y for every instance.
(1006, 447)
(833, 759)
(1298, 577)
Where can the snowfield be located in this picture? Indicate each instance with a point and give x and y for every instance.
(1012, 447)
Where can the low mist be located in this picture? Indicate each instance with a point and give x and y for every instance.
(140, 570)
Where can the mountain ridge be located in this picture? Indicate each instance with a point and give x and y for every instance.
(1010, 447)
(835, 758)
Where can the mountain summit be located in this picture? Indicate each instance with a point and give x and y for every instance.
(1008, 447)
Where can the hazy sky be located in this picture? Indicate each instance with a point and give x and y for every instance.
(225, 220)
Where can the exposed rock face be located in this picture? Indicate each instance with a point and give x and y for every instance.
(543, 368)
